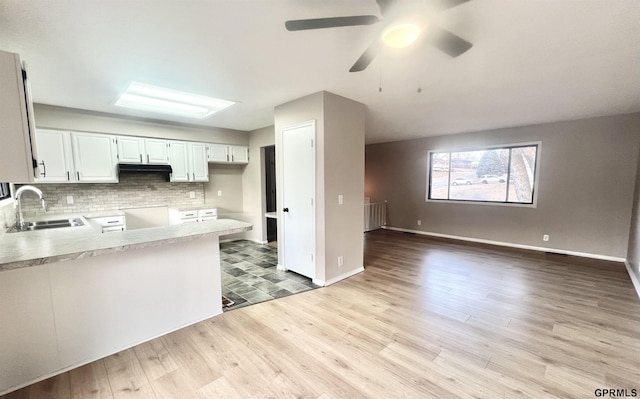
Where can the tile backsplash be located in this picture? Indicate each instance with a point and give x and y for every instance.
(133, 191)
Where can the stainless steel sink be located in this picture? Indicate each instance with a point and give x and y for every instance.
(48, 224)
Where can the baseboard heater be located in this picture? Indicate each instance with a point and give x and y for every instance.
(129, 168)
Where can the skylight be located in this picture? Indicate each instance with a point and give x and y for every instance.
(166, 101)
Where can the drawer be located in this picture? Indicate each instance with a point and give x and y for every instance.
(110, 221)
(208, 213)
(106, 229)
(187, 214)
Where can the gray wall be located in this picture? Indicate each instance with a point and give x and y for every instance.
(253, 183)
(633, 254)
(585, 192)
(339, 170)
(47, 116)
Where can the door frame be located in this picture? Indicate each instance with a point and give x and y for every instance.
(281, 229)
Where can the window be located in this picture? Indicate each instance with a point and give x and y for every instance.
(497, 175)
(4, 191)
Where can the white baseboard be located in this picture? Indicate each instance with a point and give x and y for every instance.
(508, 244)
(634, 278)
(334, 280)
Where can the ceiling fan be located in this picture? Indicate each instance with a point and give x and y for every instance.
(401, 26)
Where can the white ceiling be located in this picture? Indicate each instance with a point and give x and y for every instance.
(533, 61)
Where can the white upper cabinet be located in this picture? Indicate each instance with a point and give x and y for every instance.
(223, 153)
(157, 151)
(179, 161)
(16, 122)
(218, 153)
(188, 161)
(94, 157)
(55, 159)
(199, 166)
(130, 149)
(139, 150)
(239, 154)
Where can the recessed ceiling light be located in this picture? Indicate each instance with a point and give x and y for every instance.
(167, 101)
(400, 35)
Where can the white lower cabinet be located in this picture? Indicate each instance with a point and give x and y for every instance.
(95, 157)
(55, 159)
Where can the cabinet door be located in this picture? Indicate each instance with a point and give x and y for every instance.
(16, 152)
(94, 157)
(239, 153)
(198, 162)
(157, 151)
(55, 163)
(130, 149)
(218, 153)
(179, 160)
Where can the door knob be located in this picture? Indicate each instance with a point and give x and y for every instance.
(285, 210)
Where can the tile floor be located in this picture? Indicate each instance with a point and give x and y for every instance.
(249, 274)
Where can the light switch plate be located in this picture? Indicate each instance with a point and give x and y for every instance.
(340, 199)
(69, 199)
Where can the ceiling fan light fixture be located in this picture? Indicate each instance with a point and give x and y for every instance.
(400, 35)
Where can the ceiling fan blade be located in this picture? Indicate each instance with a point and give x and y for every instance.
(365, 59)
(447, 42)
(385, 6)
(320, 23)
(441, 5)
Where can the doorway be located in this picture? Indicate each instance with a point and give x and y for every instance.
(270, 191)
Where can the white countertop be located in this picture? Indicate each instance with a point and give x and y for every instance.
(31, 248)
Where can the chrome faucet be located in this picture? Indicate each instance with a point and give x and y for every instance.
(19, 192)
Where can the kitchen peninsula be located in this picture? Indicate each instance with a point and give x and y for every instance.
(73, 295)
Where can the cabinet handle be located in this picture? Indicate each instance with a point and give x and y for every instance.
(68, 176)
(44, 169)
(194, 176)
(78, 174)
(147, 158)
(113, 221)
(140, 158)
(232, 158)
(227, 157)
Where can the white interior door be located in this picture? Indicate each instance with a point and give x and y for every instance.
(298, 193)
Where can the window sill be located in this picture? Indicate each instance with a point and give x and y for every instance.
(465, 202)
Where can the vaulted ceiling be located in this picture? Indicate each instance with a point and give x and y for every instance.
(532, 61)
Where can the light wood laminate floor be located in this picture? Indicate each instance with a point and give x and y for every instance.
(427, 319)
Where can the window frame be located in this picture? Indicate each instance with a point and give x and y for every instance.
(536, 176)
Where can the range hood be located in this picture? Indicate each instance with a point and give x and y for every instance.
(144, 168)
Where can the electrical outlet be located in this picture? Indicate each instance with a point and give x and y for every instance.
(192, 194)
(219, 193)
(419, 222)
(340, 199)
(545, 237)
(340, 261)
(69, 199)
